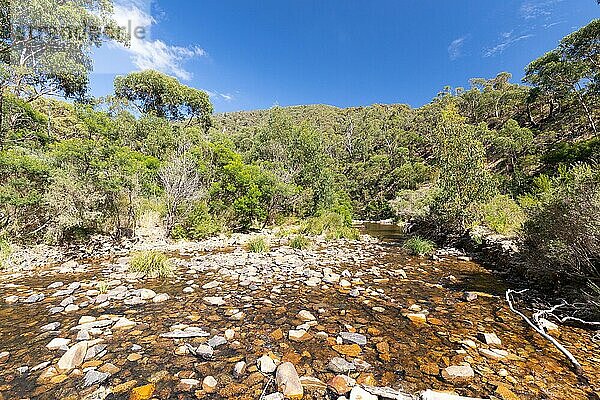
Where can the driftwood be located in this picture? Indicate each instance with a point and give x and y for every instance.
(536, 327)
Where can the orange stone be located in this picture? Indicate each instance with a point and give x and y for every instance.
(373, 331)
(383, 347)
(277, 334)
(351, 350)
(143, 392)
(366, 379)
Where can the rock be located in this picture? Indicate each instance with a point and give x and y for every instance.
(187, 333)
(361, 365)
(229, 334)
(288, 381)
(341, 384)
(266, 364)
(86, 319)
(458, 373)
(214, 301)
(161, 297)
(387, 393)
(83, 335)
(209, 384)
(71, 308)
(359, 393)
(58, 343)
(93, 377)
(306, 316)
(417, 318)
(297, 335)
(124, 323)
(312, 384)
(494, 354)
(239, 369)
(185, 385)
(133, 357)
(505, 393)
(489, 338)
(55, 285)
(216, 341)
(470, 296)
(351, 350)
(73, 358)
(274, 396)
(345, 284)
(4, 356)
(146, 294)
(11, 299)
(356, 338)
(204, 351)
(124, 387)
(433, 395)
(143, 392)
(340, 366)
(94, 351)
(109, 368)
(188, 290)
(34, 298)
(211, 285)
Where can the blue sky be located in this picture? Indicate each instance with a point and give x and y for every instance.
(256, 54)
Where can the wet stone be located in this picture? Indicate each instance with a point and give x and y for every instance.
(340, 366)
(356, 338)
(93, 377)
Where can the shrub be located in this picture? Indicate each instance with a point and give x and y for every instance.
(412, 205)
(419, 247)
(502, 215)
(300, 242)
(258, 245)
(562, 235)
(197, 225)
(5, 252)
(102, 287)
(332, 225)
(152, 264)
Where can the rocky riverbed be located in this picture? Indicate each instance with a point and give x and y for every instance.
(346, 319)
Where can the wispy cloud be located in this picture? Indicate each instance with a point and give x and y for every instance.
(220, 96)
(507, 39)
(147, 53)
(533, 9)
(455, 48)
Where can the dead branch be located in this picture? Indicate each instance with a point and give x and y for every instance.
(541, 331)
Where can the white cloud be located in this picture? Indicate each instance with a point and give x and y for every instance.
(533, 9)
(507, 39)
(146, 53)
(455, 48)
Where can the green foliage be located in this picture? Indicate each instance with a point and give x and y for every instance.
(414, 205)
(419, 247)
(562, 234)
(300, 242)
(332, 225)
(502, 215)
(464, 178)
(5, 252)
(162, 95)
(152, 264)
(198, 224)
(258, 245)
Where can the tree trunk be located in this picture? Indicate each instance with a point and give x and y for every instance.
(587, 111)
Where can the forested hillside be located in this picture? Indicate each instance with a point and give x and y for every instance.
(516, 159)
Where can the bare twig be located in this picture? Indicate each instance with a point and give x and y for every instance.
(541, 331)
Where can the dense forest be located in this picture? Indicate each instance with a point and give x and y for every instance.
(497, 157)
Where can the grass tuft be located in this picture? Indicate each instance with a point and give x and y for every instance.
(419, 247)
(152, 264)
(258, 245)
(300, 242)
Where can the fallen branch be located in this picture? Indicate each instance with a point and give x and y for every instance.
(540, 330)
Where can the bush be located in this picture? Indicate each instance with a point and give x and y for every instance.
(300, 242)
(562, 235)
(197, 225)
(502, 215)
(332, 225)
(5, 252)
(412, 205)
(419, 247)
(258, 245)
(152, 264)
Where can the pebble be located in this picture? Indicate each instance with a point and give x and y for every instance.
(489, 338)
(50, 327)
(340, 366)
(93, 377)
(58, 343)
(356, 338)
(209, 384)
(266, 364)
(458, 373)
(239, 369)
(161, 297)
(358, 393)
(288, 381)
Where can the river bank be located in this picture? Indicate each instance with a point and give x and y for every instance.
(344, 314)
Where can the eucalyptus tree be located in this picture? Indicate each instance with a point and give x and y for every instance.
(153, 92)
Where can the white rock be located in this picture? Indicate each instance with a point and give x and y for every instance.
(359, 393)
(73, 358)
(266, 364)
(58, 343)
